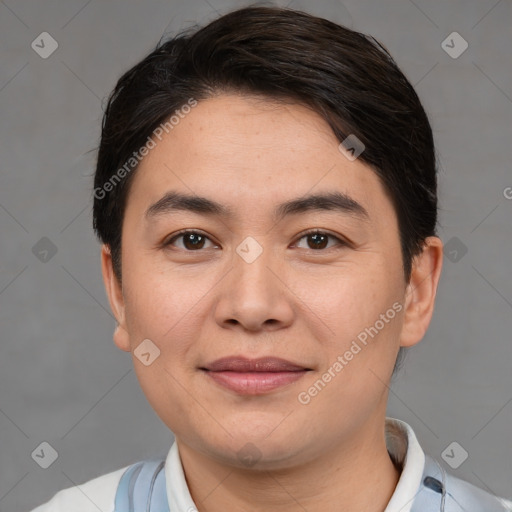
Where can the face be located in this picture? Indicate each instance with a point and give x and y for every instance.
(250, 281)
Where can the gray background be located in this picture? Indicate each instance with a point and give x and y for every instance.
(61, 378)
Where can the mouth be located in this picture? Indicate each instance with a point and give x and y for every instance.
(254, 376)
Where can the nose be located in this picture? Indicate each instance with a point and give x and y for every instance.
(254, 296)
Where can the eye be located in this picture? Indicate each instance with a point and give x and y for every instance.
(192, 240)
(195, 240)
(319, 239)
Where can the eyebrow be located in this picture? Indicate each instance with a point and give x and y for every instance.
(331, 201)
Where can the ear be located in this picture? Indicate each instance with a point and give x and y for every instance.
(116, 299)
(421, 291)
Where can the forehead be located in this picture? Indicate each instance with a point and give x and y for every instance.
(250, 154)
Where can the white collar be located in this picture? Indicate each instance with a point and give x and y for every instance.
(401, 443)
(404, 447)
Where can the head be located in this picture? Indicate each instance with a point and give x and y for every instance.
(245, 117)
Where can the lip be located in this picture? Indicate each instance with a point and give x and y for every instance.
(261, 364)
(253, 376)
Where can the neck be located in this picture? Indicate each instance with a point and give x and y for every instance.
(355, 475)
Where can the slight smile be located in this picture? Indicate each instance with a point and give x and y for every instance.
(253, 376)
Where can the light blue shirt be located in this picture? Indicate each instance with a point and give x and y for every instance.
(99, 494)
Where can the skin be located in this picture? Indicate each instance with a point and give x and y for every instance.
(294, 301)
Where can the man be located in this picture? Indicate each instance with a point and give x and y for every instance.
(267, 201)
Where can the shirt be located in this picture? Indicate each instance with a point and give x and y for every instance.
(99, 493)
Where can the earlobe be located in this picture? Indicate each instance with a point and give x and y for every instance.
(121, 338)
(421, 291)
(115, 297)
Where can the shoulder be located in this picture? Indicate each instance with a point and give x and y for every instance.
(443, 491)
(92, 496)
(463, 496)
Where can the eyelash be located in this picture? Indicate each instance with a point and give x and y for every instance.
(183, 232)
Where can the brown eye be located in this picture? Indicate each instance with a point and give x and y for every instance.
(318, 240)
(192, 240)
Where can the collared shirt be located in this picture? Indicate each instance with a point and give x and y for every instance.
(99, 493)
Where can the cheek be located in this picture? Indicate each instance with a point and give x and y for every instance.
(164, 390)
(167, 308)
(353, 299)
(364, 314)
